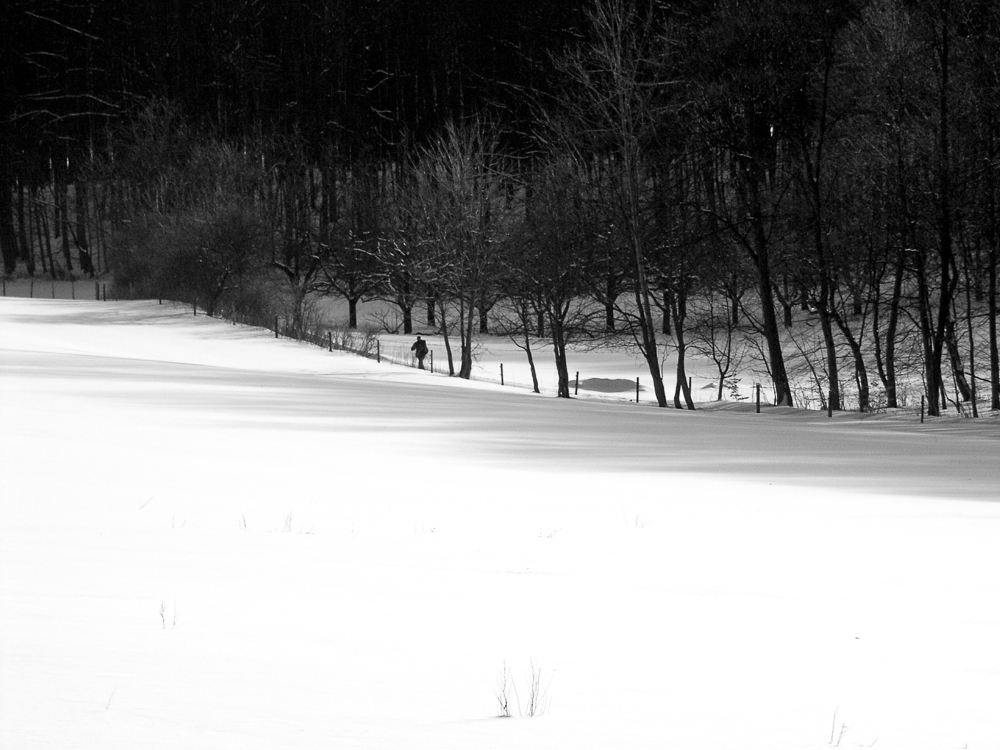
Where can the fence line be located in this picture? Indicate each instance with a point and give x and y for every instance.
(355, 342)
(368, 345)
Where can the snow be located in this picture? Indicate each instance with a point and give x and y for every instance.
(210, 538)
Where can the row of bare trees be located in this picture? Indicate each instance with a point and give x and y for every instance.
(699, 173)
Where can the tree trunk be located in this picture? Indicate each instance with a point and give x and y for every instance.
(466, 317)
(886, 362)
(972, 339)
(648, 337)
(559, 350)
(99, 234)
(945, 238)
(62, 223)
(647, 341)
(610, 295)
(527, 347)
(8, 237)
(82, 242)
(447, 339)
(44, 238)
(938, 333)
(932, 363)
(407, 311)
(484, 323)
(832, 366)
(734, 310)
(772, 336)
(352, 312)
(36, 220)
(993, 260)
(991, 301)
(679, 304)
(860, 369)
(26, 248)
(957, 365)
(861, 373)
(786, 308)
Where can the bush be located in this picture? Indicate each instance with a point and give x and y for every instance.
(213, 256)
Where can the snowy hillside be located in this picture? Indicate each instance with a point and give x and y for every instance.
(210, 538)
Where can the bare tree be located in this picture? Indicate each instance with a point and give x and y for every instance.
(547, 264)
(352, 231)
(608, 113)
(750, 64)
(461, 212)
(717, 337)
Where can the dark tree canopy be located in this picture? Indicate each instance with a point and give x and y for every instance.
(362, 74)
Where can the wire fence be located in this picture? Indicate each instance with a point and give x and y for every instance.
(33, 288)
(360, 343)
(367, 344)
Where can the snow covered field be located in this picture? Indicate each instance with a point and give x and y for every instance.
(210, 538)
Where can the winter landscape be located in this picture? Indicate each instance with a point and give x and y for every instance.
(210, 538)
(745, 495)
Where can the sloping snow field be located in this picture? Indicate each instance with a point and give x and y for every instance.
(210, 538)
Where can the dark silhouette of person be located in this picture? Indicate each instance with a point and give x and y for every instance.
(419, 348)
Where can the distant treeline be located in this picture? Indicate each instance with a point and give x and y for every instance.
(702, 168)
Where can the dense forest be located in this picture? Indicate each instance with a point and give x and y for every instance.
(698, 174)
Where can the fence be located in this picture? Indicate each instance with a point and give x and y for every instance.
(32, 288)
(363, 344)
(367, 344)
(65, 289)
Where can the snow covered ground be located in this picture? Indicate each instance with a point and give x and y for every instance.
(210, 538)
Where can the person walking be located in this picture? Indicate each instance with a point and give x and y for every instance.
(419, 348)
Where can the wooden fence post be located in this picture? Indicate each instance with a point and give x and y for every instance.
(637, 390)
(758, 397)
(576, 384)
(501, 373)
(921, 408)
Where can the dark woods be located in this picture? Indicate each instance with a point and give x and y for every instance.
(699, 175)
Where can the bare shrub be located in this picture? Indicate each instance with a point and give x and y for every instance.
(536, 693)
(537, 700)
(363, 342)
(505, 684)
